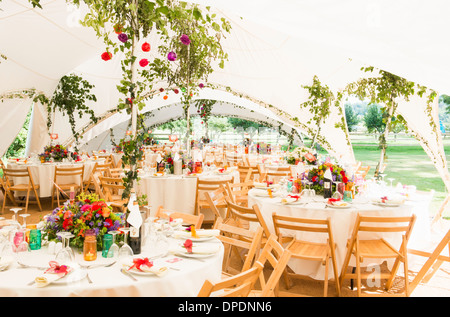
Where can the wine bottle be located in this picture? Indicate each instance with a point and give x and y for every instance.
(135, 237)
(327, 184)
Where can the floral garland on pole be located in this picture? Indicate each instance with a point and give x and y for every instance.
(385, 90)
(191, 48)
(133, 21)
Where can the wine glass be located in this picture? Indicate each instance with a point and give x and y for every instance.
(113, 251)
(391, 180)
(67, 237)
(24, 216)
(125, 250)
(16, 211)
(63, 255)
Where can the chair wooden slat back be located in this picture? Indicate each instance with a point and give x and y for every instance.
(13, 182)
(378, 247)
(238, 192)
(216, 200)
(112, 187)
(62, 183)
(321, 252)
(207, 185)
(239, 285)
(246, 216)
(236, 239)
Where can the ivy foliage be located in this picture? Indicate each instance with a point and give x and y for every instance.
(70, 98)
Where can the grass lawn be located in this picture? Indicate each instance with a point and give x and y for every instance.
(407, 163)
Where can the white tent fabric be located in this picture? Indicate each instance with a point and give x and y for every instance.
(274, 48)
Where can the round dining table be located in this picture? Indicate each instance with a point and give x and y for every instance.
(183, 277)
(342, 223)
(43, 173)
(178, 192)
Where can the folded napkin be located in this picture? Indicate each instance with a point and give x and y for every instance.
(52, 274)
(203, 248)
(390, 200)
(337, 202)
(144, 265)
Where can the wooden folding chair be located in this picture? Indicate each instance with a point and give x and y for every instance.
(276, 174)
(363, 171)
(188, 219)
(247, 173)
(239, 241)
(62, 184)
(207, 185)
(435, 258)
(19, 180)
(95, 181)
(273, 254)
(112, 188)
(245, 216)
(102, 169)
(216, 201)
(233, 159)
(238, 192)
(378, 247)
(321, 252)
(238, 285)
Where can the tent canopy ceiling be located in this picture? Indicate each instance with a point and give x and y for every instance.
(274, 48)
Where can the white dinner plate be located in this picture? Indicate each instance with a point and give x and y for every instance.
(188, 236)
(195, 255)
(76, 275)
(386, 204)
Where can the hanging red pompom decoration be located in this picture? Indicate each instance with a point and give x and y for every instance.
(143, 62)
(146, 47)
(106, 56)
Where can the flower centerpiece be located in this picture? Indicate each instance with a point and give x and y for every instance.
(87, 212)
(316, 176)
(167, 159)
(57, 153)
(301, 154)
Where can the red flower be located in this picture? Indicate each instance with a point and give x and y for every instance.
(146, 47)
(143, 62)
(108, 223)
(106, 56)
(188, 245)
(314, 179)
(170, 160)
(344, 179)
(67, 223)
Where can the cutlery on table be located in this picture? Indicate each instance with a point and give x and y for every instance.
(128, 274)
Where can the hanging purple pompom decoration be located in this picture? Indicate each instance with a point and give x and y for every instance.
(172, 56)
(201, 85)
(185, 39)
(123, 37)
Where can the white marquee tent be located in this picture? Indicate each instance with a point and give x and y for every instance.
(274, 48)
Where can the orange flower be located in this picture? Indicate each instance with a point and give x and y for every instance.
(105, 212)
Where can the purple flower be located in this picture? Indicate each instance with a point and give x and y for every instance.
(123, 37)
(185, 39)
(172, 56)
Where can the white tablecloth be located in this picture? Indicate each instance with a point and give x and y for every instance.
(176, 192)
(185, 280)
(44, 173)
(342, 222)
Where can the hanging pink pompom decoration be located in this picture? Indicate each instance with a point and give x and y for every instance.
(185, 39)
(172, 56)
(146, 47)
(201, 85)
(143, 62)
